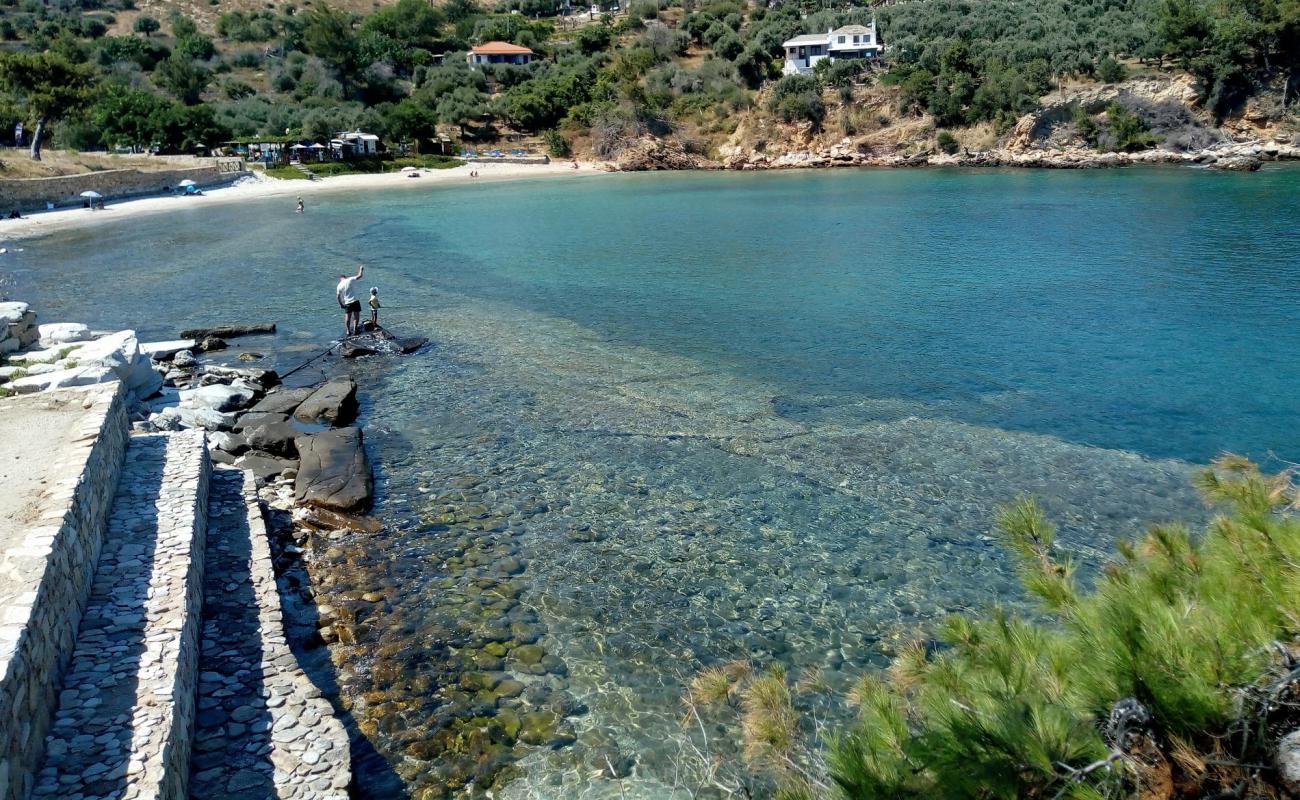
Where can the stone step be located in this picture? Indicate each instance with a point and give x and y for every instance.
(263, 729)
(125, 719)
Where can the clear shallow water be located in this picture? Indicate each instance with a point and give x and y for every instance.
(675, 420)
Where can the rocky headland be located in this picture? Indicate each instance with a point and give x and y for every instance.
(870, 131)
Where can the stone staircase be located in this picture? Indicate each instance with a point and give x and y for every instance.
(141, 647)
(126, 712)
(301, 167)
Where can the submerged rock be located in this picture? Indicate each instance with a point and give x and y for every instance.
(335, 472)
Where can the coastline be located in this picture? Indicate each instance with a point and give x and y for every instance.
(259, 186)
(1245, 157)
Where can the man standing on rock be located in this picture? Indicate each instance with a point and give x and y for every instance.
(349, 303)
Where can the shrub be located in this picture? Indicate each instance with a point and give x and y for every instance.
(947, 142)
(798, 98)
(146, 24)
(1168, 671)
(557, 144)
(1111, 71)
(1125, 131)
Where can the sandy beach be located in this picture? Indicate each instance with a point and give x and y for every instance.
(258, 186)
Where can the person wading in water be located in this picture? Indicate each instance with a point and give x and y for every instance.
(349, 303)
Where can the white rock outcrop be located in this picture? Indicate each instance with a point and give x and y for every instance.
(64, 332)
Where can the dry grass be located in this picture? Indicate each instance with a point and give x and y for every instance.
(769, 724)
(15, 163)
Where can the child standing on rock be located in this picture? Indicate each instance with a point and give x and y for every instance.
(374, 307)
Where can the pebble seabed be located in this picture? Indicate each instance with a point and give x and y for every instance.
(573, 528)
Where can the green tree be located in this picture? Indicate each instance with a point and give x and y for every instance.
(196, 46)
(47, 85)
(182, 26)
(593, 38)
(1166, 674)
(146, 24)
(462, 106)
(182, 77)
(411, 120)
(329, 35)
(1111, 71)
(798, 98)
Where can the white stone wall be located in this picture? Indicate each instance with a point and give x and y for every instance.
(55, 563)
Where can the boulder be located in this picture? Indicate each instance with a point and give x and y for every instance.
(209, 343)
(160, 351)
(263, 467)
(64, 333)
(27, 332)
(206, 418)
(350, 350)
(222, 457)
(184, 359)
(229, 331)
(276, 438)
(335, 402)
(283, 401)
(1287, 761)
(62, 379)
(218, 397)
(13, 312)
(334, 472)
(410, 344)
(266, 378)
(48, 356)
(142, 379)
(252, 419)
(166, 420)
(231, 443)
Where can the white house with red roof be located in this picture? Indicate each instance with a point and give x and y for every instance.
(499, 53)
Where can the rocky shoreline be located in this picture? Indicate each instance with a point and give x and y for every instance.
(664, 155)
(301, 445)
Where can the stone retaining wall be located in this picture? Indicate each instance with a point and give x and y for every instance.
(55, 562)
(31, 194)
(285, 712)
(190, 545)
(510, 160)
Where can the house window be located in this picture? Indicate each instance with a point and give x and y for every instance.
(855, 38)
(841, 40)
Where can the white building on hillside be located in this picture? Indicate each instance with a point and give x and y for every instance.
(851, 41)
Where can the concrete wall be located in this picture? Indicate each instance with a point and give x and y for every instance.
(31, 194)
(55, 562)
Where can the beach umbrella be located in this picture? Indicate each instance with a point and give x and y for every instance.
(91, 195)
(186, 182)
(408, 169)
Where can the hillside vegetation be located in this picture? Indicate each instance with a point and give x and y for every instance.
(103, 74)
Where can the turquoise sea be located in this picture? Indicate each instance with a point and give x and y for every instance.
(669, 421)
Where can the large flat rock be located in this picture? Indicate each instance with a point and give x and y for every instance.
(282, 401)
(334, 402)
(334, 472)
